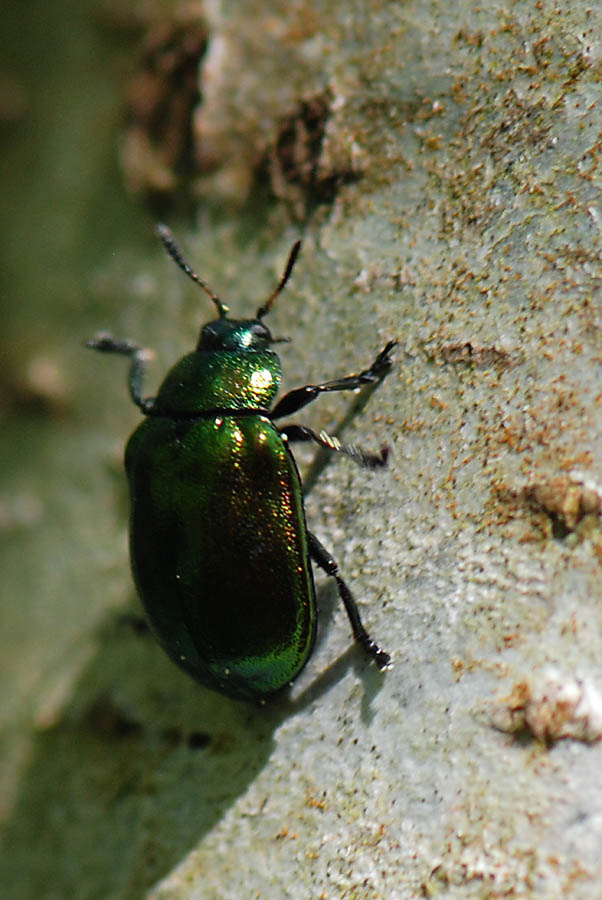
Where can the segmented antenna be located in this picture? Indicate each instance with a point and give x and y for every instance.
(168, 241)
(292, 259)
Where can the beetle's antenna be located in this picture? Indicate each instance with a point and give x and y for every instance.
(168, 241)
(292, 259)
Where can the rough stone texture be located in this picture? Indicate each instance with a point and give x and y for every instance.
(462, 146)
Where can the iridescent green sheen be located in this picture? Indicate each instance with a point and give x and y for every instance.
(219, 379)
(219, 546)
(218, 539)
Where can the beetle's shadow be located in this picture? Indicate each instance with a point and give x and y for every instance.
(141, 762)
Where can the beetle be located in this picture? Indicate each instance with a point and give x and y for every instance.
(219, 547)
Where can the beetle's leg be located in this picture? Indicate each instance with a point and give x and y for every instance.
(322, 557)
(106, 343)
(300, 397)
(361, 457)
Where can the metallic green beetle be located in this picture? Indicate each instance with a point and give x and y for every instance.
(219, 548)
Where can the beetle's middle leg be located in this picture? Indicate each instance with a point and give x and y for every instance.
(361, 457)
(106, 343)
(300, 397)
(322, 557)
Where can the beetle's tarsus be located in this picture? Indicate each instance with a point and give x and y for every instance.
(382, 659)
(301, 433)
(104, 342)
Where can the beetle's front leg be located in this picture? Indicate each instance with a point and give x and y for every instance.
(300, 397)
(106, 343)
(322, 557)
(361, 457)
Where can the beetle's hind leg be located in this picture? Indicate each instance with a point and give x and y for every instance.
(361, 457)
(106, 343)
(300, 397)
(322, 557)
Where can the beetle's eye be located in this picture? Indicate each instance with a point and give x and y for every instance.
(259, 330)
(209, 338)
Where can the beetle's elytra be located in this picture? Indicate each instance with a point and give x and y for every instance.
(220, 551)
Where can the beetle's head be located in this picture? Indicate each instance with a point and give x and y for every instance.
(224, 333)
(235, 334)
